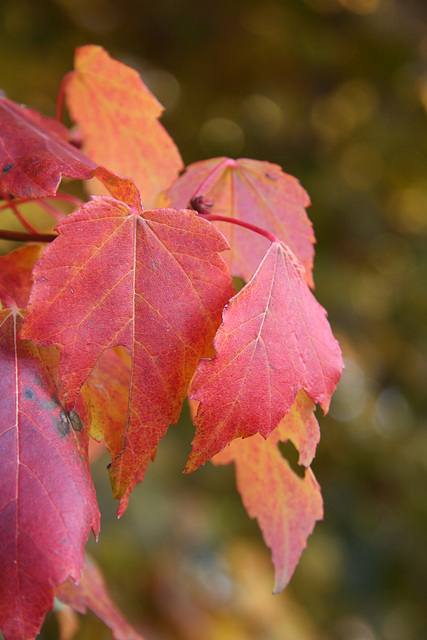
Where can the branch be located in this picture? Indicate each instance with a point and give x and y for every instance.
(21, 236)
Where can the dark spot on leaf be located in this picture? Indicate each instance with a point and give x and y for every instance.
(7, 168)
(76, 423)
(269, 176)
(37, 381)
(51, 405)
(29, 394)
(63, 424)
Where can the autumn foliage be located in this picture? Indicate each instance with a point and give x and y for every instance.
(144, 269)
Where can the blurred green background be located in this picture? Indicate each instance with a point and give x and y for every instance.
(335, 91)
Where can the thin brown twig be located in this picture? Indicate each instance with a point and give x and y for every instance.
(20, 236)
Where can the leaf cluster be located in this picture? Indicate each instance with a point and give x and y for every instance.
(129, 310)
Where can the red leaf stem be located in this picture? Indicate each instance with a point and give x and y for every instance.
(66, 197)
(262, 232)
(12, 205)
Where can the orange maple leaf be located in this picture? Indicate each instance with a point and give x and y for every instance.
(285, 505)
(119, 121)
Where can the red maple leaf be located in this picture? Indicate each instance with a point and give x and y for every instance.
(47, 499)
(274, 341)
(150, 281)
(35, 153)
(259, 193)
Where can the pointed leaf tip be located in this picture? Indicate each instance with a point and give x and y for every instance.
(91, 592)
